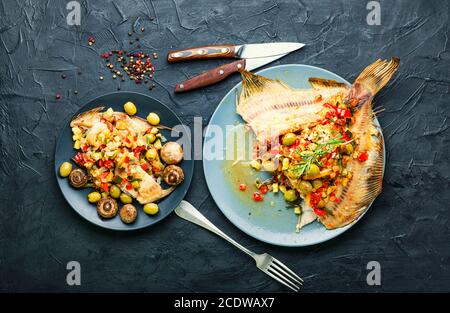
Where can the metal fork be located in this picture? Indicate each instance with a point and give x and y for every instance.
(265, 262)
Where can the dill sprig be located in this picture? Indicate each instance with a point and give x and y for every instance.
(313, 158)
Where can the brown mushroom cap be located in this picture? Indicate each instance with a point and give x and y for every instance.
(78, 178)
(172, 153)
(173, 175)
(107, 207)
(128, 213)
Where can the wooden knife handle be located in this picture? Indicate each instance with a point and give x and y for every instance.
(201, 52)
(210, 77)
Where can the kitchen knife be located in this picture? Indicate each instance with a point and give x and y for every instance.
(252, 58)
(233, 51)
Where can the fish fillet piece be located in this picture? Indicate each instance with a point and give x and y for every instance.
(94, 117)
(87, 119)
(149, 190)
(271, 108)
(366, 182)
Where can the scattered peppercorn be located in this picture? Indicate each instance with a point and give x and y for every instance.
(75, 92)
(63, 76)
(58, 96)
(130, 33)
(142, 29)
(137, 65)
(101, 77)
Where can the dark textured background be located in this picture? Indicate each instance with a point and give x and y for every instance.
(406, 230)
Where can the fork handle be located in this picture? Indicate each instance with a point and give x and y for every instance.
(186, 211)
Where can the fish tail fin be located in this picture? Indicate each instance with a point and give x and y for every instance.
(371, 80)
(377, 75)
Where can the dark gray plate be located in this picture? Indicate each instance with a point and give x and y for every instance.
(78, 198)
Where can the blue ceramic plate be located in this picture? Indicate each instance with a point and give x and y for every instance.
(269, 221)
(77, 198)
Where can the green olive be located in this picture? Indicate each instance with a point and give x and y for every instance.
(317, 183)
(94, 197)
(135, 184)
(288, 139)
(115, 191)
(151, 208)
(305, 187)
(65, 169)
(290, 195)
(151, 154)
(150, 138)
(125, 199)
(313, 170)
(347, 149)
(130, 108)
(153, 119)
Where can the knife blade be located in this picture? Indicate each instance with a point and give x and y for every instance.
(246, 51)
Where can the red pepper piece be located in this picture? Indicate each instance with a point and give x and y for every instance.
(144, 166)
(363, 156)
(264, 189)
(319, 212)
(129, 186)
(242, 187)
(78, 158)
(108, 164)
(104, 186)
(257, 196)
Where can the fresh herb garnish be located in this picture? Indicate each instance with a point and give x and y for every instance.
(313, 158)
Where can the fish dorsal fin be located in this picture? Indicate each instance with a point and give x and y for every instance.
(320, 83)
(252, 84)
